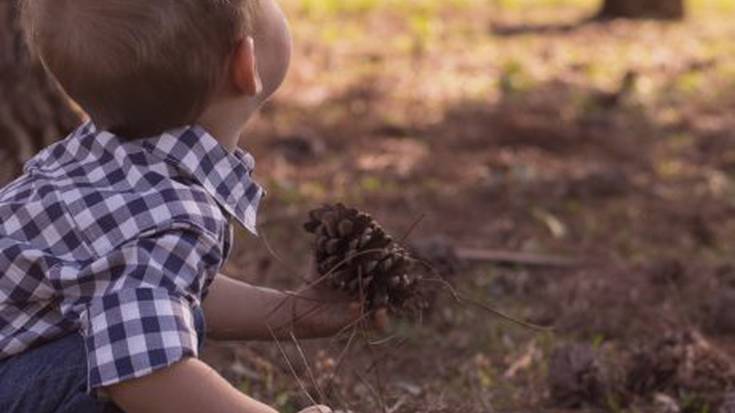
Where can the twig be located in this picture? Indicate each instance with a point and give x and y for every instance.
(463, 299)
(337, 368)
(300, 317)
(378, 380)
(341, 358)
(321, 279)
(356, 323)
(401, 401)
(314, 299)
(383, 340)
(345, 350)
(504, 316)
(347, 406)
(278, 257)
(385, 356)
(410, 230)
(377, 395)
(291, 367)
(305, 360)
(292, 295)
(512, 257)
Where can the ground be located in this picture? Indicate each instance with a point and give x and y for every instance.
(509, 125)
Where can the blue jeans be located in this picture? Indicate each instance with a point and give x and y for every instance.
(52, 378)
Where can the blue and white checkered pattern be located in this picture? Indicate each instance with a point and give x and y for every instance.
(119, 240)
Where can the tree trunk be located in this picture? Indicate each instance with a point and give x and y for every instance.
(643, 9)
(33, 111)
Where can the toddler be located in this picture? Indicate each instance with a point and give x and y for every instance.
(112, 240)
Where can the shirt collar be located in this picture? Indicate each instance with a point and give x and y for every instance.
(225, 175)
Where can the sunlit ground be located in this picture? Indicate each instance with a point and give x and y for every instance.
(506, 125)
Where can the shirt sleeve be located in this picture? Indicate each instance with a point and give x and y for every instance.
(144, 320)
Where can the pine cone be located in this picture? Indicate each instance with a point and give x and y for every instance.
(356, 255)
(576, 376)
(728, 403)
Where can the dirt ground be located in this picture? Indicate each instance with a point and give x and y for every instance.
(508, 125)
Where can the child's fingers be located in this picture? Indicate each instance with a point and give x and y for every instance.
(317, 409)
(381, 320)
(355, 310)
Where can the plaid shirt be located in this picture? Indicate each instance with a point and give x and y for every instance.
(119, 241)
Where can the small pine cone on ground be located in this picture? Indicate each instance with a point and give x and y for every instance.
(576, 377)
(728, 403)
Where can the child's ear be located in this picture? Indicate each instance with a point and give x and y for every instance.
(245, 69)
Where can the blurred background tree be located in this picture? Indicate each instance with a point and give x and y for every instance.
(33, 112)
(658, 9)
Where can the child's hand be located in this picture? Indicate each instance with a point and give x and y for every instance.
(329, 310)
(338, 310)
(317, 409)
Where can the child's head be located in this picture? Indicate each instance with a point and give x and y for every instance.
(138, 67)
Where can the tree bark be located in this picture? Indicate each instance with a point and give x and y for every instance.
(33, 111)
(643, 9)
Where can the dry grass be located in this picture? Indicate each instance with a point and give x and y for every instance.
(493, 119)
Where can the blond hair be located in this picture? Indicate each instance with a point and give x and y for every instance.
(137, 67)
